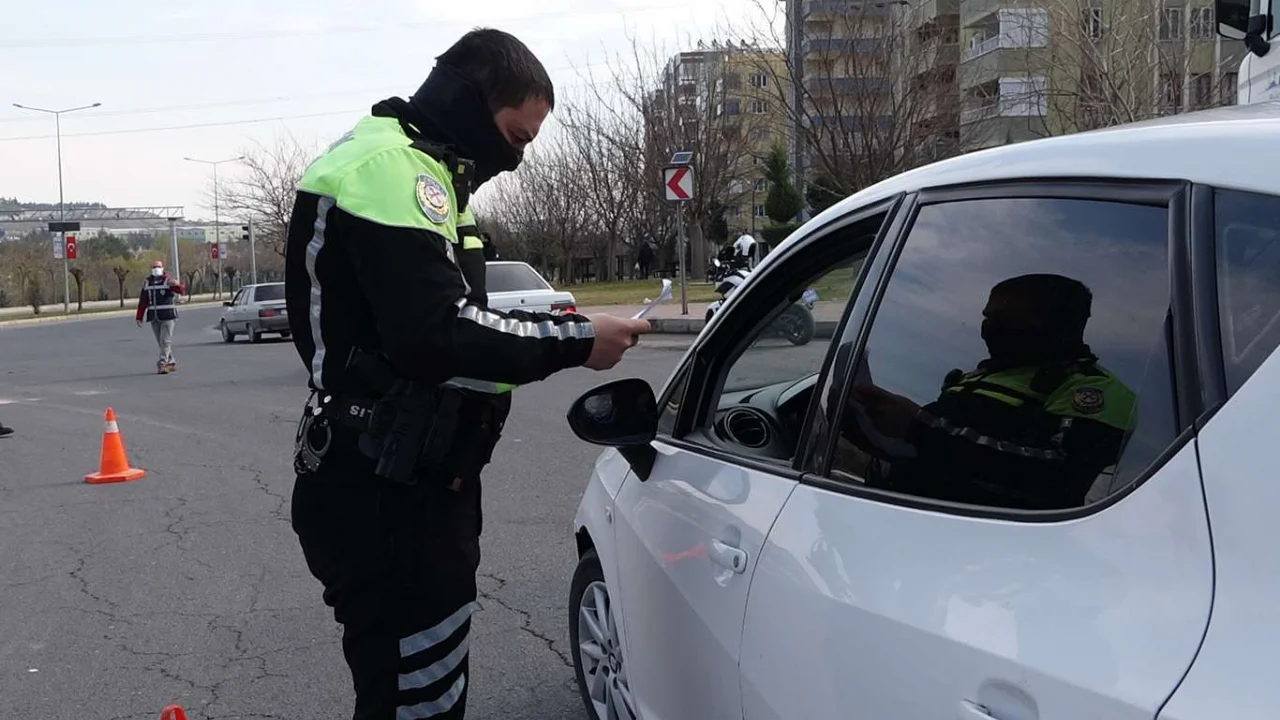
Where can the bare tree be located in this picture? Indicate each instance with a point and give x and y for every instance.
(868, 88)
(267, 188)
(121, 272)
(1097, 63)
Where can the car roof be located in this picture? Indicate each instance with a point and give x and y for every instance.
(1230, 147)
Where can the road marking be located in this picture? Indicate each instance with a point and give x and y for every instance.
(13, 401)
(89, 393)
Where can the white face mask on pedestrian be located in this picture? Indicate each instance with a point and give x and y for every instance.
(157, 272)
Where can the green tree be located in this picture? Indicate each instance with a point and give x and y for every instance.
(104, 246)
(822, 192)
(784, 201)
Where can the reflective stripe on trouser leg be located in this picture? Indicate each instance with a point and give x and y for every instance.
(433, 667)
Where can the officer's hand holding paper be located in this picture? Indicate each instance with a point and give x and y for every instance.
(614, 336)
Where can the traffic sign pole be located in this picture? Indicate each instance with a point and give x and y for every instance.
(677, 180)
(173, 248)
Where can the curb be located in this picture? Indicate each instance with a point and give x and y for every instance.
(694, 326)
(104, 315)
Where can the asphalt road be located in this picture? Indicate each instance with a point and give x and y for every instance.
(188, 586)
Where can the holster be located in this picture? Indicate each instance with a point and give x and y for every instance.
(480, 423)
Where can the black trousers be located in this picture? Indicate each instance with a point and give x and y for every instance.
(398, 565)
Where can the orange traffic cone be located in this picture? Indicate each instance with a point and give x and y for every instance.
(173, 712)
(113, 466)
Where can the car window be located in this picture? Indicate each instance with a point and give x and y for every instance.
(239, 296)
(246, 296)
(674, 399)
(513, 278)
(779, 336)
(268, 293)
(1019, 358)
(1248, 249)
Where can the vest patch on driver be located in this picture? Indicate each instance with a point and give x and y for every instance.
(433, 199)
(1087, 400)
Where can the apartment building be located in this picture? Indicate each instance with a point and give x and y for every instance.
(925, 69)
(753, 85)
(1031, 68)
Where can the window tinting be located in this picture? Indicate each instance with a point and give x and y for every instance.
(513, 278)
(268, 293)
(1019, 358)
(1248, 249)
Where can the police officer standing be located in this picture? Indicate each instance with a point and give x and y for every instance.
(411, 371)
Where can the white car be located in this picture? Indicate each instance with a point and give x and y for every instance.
(822, 532)
(255, 309)
(517, 286)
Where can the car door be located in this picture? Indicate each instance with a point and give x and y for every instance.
(920, 572)
(687, 539)
(231, 314)
(244, 308)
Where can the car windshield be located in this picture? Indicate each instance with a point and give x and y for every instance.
(267, 293)
(513, 278)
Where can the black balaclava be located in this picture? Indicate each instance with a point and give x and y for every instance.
(1063, 306)
(452, 110)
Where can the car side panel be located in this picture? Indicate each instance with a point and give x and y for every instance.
(1234, 674)
(860, 608)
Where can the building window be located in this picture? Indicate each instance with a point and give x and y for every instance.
(1023, 28)
(732, 81)
(732, 211)
(759, 107)
(731, 107)
(759, 80)
(1202, 90)
(762, 185)
(1092, 23)
(1202, 23)
(1171, 24)
(1023, 97)
(758, 134)
(760, 211)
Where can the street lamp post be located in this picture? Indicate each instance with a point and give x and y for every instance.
(217, 219)
(62, 211)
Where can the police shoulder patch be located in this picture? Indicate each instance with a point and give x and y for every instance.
(433, 199)
(1087, 400)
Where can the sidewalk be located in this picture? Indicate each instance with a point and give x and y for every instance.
(666, 318)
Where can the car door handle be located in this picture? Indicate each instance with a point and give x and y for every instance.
(970, 710)
(728, 556)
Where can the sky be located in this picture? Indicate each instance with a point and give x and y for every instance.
(207, 80)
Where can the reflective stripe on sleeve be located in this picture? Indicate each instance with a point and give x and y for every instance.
(528, 329)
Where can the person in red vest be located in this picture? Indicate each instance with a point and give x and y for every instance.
(158, 304)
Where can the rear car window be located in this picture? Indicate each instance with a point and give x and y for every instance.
(513, 278)
(1248, 250)
(268, 293)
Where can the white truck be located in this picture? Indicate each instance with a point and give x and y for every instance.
(1253, 21)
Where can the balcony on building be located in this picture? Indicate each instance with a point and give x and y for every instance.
(835, 9)
(852, 124)
(1011, 41)
(843, 46)
(1010, 109)
(820, 85)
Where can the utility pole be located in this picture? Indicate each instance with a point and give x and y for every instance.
(173, 248)
(62, 210)
(217, 219)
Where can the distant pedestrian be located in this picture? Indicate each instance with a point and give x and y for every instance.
(158, 304)
(5, 431)
(491, 253)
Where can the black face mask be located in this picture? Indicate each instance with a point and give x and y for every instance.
(451, 110)
(1015, 347)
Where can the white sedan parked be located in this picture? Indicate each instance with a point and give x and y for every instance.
(517, 286)
(1025, 476)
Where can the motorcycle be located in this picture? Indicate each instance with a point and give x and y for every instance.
(727, 261)
(796, 324)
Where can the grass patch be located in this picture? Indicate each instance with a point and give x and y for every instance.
(634, 292)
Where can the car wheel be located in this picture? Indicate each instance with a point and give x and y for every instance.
(227, 335)
(286, 334)
(255, 335)
(596, 646)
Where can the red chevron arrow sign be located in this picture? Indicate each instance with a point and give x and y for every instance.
(679, 183)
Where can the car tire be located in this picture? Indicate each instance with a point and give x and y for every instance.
(601, 670)
(286, 334)
(227, 335)
(255, 335)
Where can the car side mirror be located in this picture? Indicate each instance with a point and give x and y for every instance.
(226, 304)
(622, 414)
(1232, 17)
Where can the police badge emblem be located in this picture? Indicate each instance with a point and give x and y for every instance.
(433, 199)
(1087, 400)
